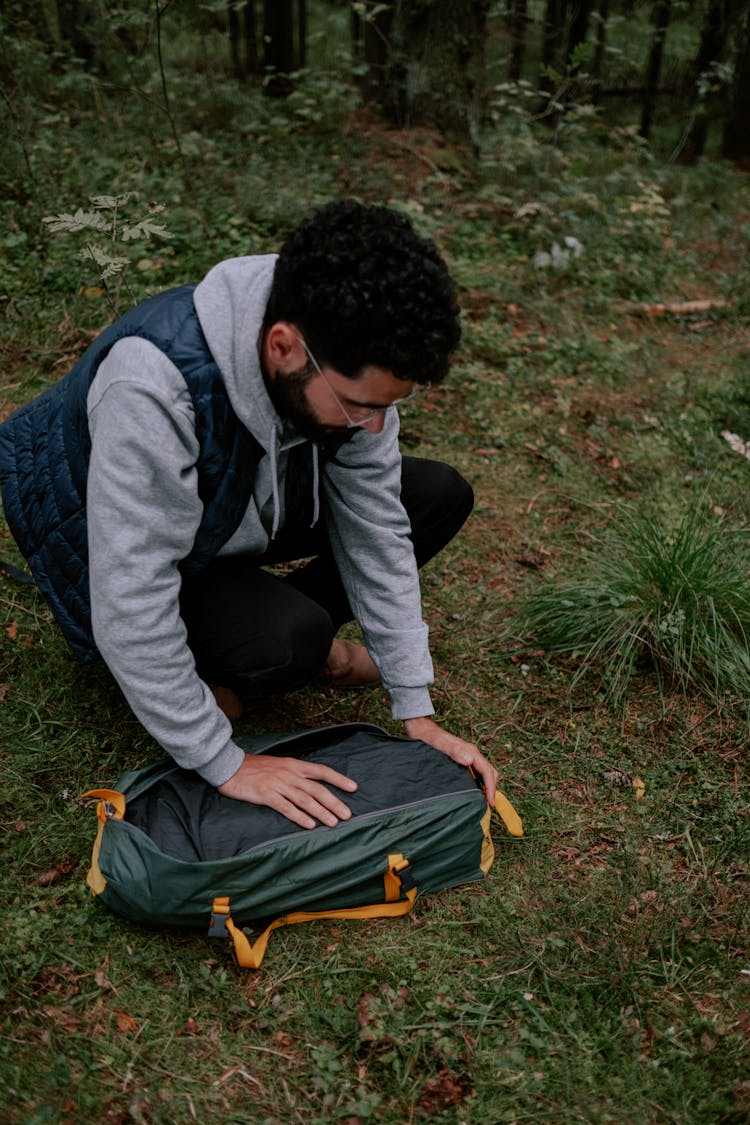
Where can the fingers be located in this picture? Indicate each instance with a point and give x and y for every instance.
(292, 787)
(318, 802)
(312, 795)
(468, 755)
(489, 776)
(289, 810)
(303, 809)
(465, 753)
(327, 774)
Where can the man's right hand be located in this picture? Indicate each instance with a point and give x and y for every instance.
(292, 787)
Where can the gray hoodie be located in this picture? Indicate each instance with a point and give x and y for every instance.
(144, 510)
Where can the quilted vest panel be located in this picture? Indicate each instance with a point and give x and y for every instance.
(45, 448)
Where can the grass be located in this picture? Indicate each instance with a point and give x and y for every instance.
(677, 599)
(600, 973)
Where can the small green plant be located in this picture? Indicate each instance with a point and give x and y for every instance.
(106, 227)
(677, 600)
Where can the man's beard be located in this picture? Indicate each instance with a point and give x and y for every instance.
(287, 393)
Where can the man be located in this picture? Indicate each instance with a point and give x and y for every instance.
(217, 429)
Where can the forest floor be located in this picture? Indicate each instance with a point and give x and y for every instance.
(601, 973)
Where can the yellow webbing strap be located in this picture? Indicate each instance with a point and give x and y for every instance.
(110, 805)
(508, 814)
(505, 811)
(392, 878)
(107, 797)
(250, 956)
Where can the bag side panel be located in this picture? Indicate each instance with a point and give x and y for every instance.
(325, 868)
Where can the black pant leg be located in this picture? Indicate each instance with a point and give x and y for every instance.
(438, 501)
(250, 630)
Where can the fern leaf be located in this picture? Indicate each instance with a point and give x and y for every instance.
(111, 202)
(79, 220)
(144, 229)
(109, 264)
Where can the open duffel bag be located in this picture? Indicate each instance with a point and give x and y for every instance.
(171, 850)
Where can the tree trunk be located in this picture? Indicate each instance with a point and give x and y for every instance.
(250, 36)
(711, 49)
(278, 47)
(553, 37)
(301, 34)
(553, 33)
(578, 28)
(235, 56)
(736, 140)
(662, 14)
(243, 40)
(518, 20)
(371, 41)
(435, 66)
(597, 65)
(78, 21)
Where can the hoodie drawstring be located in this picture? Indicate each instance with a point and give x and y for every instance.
(273, 447)
(316, 484)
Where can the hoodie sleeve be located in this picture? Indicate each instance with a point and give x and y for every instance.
(369, 532)
(143, 512)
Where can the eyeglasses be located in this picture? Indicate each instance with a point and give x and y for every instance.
(364, 414)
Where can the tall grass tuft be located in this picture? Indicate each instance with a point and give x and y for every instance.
(676, 600)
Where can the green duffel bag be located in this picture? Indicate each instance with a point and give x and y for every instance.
(171, 850)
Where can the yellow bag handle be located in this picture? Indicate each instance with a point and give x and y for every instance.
(110, 805)
(250, 955)
(504, 810)
(508, 814)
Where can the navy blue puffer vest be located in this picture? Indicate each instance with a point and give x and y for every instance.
(44, 457)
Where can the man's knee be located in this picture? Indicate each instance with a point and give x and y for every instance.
(456, 492)
(438, 501)
(291, 654)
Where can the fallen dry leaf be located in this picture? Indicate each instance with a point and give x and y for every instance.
(520, 658)
(101, 975)
(64, 1018)
(47, 878)
(446, 1090)
(126, 1023)
(12, 630)
(639, 788)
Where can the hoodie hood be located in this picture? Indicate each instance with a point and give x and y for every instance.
(231, 304)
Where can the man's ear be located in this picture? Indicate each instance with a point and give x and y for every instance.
(282, 348)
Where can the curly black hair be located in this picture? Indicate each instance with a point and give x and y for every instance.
(365, 289)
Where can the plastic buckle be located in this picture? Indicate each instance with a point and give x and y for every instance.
(217, 927)
(402, 871)
(408, 882)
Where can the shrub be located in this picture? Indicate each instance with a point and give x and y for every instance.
(676, 600)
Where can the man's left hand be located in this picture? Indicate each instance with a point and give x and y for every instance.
(465, 753)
